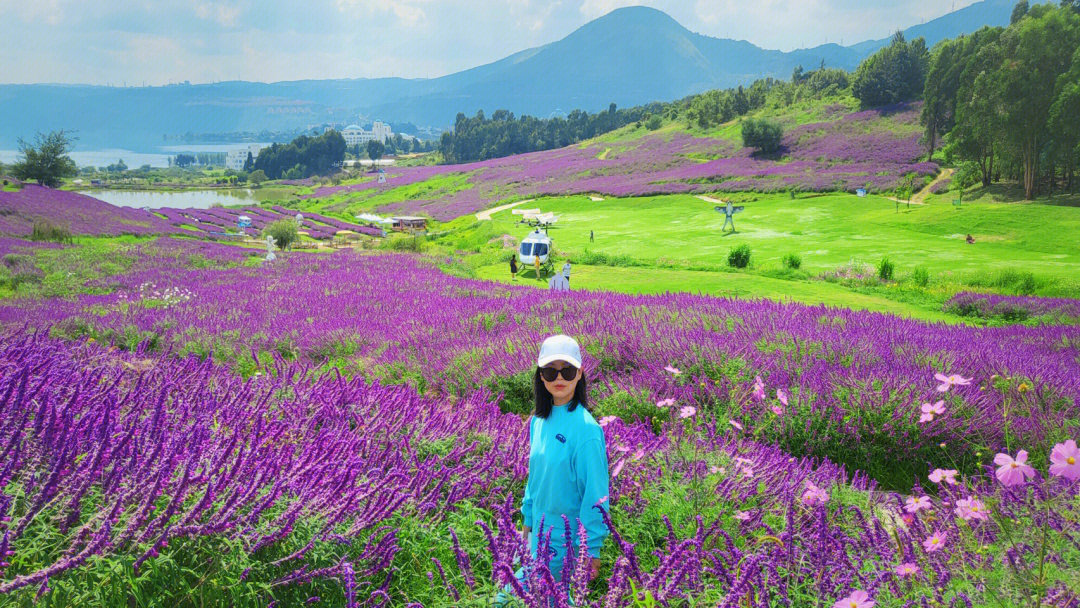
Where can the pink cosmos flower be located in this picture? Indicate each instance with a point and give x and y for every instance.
(930, 409)
(776, 409)
(742, 516)
(602, 500)
(687, 411)
(735, 424)
(672, 370)
(781, 396)
(857, 599)
(914, 505)
(814, 495)
(759, 389)
(906, 569)
(948, 475)
(606, 420)
(1012, 472)
(665, 402)
(934, 542)
(948, 382)
(971, 508)
(638, 454)
(1066, 460)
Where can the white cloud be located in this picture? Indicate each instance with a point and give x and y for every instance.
(407, 12)
(224, 14)
(36, 11)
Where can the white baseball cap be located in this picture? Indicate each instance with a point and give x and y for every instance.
(559, 348)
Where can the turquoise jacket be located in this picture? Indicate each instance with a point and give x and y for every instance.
(568, 474)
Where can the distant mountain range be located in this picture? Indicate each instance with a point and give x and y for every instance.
(630, 56)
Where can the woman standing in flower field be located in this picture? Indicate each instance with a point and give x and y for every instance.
(568, 466)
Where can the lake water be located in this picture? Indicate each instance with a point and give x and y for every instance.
(191, 199)
(159, 158)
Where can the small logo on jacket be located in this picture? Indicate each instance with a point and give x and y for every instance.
(560, 437)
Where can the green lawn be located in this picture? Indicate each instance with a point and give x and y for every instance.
(827, 231)
(727, 284)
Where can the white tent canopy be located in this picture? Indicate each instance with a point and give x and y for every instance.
(371, 217)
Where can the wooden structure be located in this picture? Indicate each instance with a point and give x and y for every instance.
(409, 223)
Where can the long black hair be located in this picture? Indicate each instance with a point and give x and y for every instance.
(543, 401)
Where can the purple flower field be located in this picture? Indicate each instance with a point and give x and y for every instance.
(1013, 307)
(354, 437)
(85, 215)
(376, 314)
(79, 213)
(871, 149)
(220, 219)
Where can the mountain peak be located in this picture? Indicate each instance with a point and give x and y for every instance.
(631, 18)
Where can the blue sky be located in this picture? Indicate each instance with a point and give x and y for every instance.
(165, 41)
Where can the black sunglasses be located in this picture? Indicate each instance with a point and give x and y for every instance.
(550, 373)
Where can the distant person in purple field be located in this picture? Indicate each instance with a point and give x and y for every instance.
(568, 466)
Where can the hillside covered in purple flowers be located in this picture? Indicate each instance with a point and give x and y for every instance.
(837, 150)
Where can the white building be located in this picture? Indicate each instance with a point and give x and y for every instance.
(235, 159)
(356, 135)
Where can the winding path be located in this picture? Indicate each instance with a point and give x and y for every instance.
(486, 214)
(921, 195)
(919, 198)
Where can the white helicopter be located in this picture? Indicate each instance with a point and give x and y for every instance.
(535, 246)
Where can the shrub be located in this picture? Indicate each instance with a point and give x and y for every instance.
(517, 392)
(405, 243)
(739, 257)
(44, 230)
(653, 123)
(284, 232)
(885, 269)
(762, 135)
(920, 276)
(792, 261)
(599, 258)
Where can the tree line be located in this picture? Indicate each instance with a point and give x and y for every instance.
(198, 158)
(302, 157)
(1008, 99)
(480, 138)
(398, 144)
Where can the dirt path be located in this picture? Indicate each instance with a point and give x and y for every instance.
(709, 199)
(921, 195)
(486, 214)
(919, 198)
